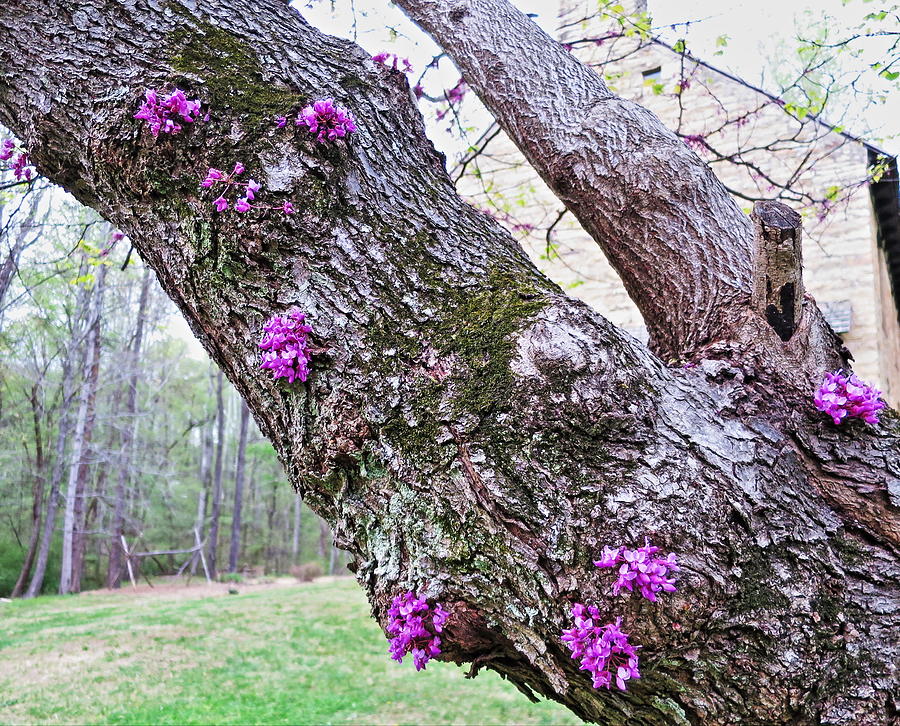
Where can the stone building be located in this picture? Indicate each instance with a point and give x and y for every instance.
(759, 148)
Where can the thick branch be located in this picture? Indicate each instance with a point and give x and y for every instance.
(778, 267)
(666, 224)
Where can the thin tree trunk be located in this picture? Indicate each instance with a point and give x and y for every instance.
(238, 489)
(295, 543)
(114, 570)
(89, 454)
(217, 479)
(205, 478)
(324, 539)
(332, 560)
(73, 524)
(37, 413)
(68, 374)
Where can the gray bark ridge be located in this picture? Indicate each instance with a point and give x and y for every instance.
(470, 432)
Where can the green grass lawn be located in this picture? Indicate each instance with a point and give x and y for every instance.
(291, 654)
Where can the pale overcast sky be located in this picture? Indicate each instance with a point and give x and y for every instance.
(755, 29)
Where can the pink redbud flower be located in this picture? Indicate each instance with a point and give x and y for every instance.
(285, 346)
(287, 208)
(238, 169)
(602, 650)
(252, 188)
(221, 204)
(326, 121)
(415, 626)
(166, 116)
(842, 396)
(241, 205)
(640, 568)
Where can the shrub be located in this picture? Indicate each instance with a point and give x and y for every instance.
(308, 572)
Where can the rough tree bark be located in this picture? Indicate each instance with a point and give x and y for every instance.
(470, 432)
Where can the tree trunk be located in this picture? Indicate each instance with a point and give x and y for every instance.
(213, 545)
(324, 539)
(469, 432)
(73, 524)
(205, 477)
(68, 374)
(114, 570)
(238, 490)
(89, 457)
(37, 494)
(295, 542)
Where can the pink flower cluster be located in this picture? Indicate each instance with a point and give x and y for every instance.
(392, 60)
(415, 626)
(325, 120)
(285, 346)
(251, 188)
(842, 396)
(602, 650)
(167, 115)
(640, 567)
(21, 164)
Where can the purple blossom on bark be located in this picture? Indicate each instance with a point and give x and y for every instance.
(167, 116)
(640, 567)
(842, 397)
(326, 121)
(6, 149)
(602, 650)
(415, 626)
(285, 346)
(221, 204)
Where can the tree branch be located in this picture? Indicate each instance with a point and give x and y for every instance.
(677, 239)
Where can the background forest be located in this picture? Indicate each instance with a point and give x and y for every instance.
(113, 423)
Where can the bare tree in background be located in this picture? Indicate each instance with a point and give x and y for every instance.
(216, 507)
(69, 365)
(235, 548)
(126, 443)
(73, 523)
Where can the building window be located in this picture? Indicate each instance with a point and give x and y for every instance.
(652, 74)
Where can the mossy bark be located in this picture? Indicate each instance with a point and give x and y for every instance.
(469, 431)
